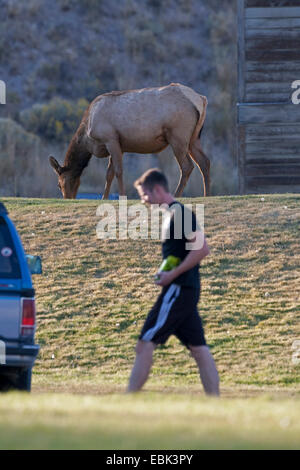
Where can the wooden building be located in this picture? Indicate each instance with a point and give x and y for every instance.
(268, 121)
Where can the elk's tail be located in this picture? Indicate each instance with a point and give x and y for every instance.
(202, 115)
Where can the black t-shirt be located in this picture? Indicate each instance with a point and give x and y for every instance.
(177, 227)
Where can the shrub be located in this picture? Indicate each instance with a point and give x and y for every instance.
(56, 120)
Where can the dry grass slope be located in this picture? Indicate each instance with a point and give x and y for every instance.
(94, 294)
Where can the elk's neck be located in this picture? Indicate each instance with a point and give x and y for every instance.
(77, 157)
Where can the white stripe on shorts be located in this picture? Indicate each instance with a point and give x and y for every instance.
(163, 312)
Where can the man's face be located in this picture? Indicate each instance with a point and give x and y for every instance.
(147, 196)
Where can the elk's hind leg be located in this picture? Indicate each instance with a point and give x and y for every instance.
(203, 163)
(185, 163)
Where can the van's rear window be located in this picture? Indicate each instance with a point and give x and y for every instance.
(9, 265)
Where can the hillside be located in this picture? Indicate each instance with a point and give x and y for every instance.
(94, 294)
(56, 56)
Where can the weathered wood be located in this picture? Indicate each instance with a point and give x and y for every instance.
(269, 113)
(277, 188)
(271, 3)
(272, 133)
(287, 77)
(271, 12)
(272, 170)
(253, 66)
(270, 87)
(273, 43)
(252, 181)
(268, 122)
(281, 147)
(290, 34)
(271, 97)
(276, 92)
(276, 55)
(272, 23)
(272, 161)
(255, 157)
(284, 149)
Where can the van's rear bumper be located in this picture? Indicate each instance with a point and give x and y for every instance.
(22, 355)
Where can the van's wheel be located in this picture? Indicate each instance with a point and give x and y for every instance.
(24, 379)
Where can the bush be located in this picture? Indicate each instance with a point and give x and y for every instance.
(56, 120)
(17, 156)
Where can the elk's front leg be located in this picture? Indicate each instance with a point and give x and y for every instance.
(109, 177)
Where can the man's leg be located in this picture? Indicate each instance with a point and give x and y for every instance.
(207, 368)
(142, 365)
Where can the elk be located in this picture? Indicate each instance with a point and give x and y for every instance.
(139, 121)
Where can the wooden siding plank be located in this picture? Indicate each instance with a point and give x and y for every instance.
(273, 43)
(273, 3)
(252, 181)
(269, 92)
(272, 161)
(259, 92)
(272, 170)
(289, 34)
(293, 140)
(273, 140)
(292, 66)
(276, 55)
(270, 86)
(282, 12)
(271, 98)
(286, 77)
(267, 132)
(272, 189)
(269, 113)
(281, 148)
(272, 23)
(255, 157)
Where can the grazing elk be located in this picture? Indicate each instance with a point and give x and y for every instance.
(139, 121)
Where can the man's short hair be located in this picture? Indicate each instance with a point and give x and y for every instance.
(152, 177)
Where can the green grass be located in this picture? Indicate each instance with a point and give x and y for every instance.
(93, 297)
(147, 421)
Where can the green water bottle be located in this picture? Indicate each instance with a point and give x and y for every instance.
(168, 264)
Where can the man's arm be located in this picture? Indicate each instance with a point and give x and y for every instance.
(194, 257)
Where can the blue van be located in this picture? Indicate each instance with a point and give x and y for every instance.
(18, 350)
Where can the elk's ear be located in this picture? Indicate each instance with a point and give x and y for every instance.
(55, 165)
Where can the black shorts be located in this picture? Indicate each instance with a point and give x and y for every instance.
(175, 313)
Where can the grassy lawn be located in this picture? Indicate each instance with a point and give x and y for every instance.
(147, 421)
(92, 299)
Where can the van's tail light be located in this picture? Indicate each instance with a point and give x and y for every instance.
(28, 317)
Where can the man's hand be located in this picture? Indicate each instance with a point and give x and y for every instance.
(165, 278)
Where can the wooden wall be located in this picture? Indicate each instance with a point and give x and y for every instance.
(268, 121)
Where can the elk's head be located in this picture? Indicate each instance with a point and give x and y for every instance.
(68, 183)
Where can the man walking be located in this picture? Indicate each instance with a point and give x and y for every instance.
(175, 311)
